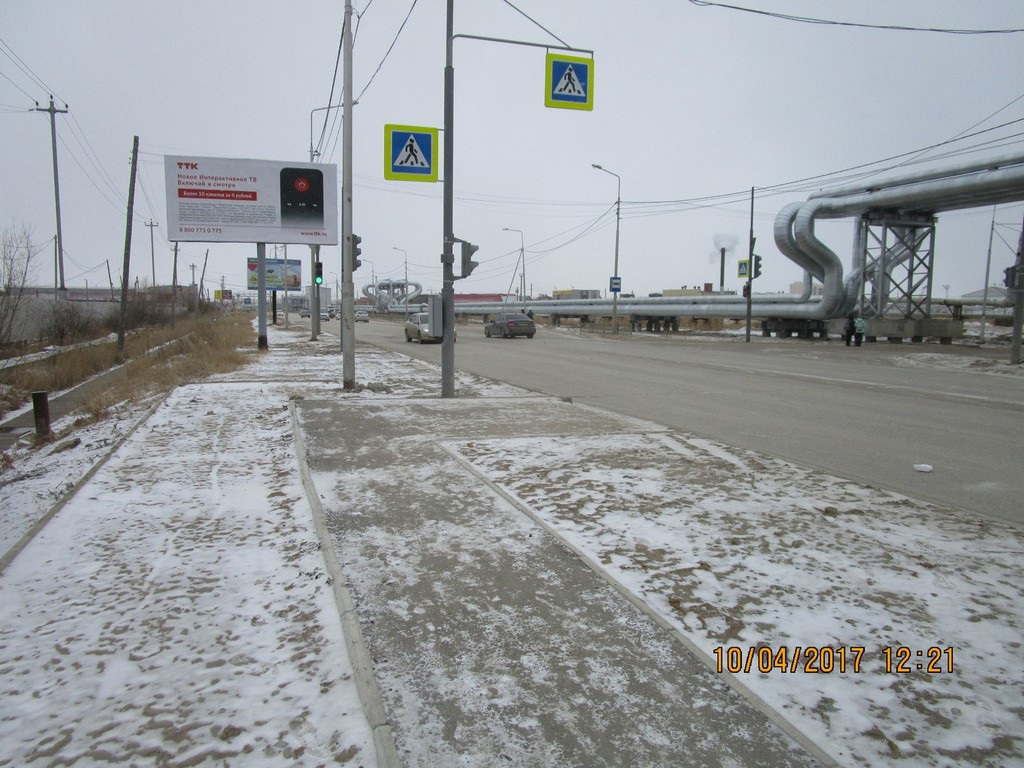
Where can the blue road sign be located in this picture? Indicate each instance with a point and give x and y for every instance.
(410, 153)
(569, 82)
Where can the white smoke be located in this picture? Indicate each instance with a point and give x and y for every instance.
(723, 240)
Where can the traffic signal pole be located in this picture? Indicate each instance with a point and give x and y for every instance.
(750, 267)
(448, 255)
(348, 310)
(1018, 301)
(468, 249)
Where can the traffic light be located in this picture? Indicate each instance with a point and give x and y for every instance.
(746, 290)
(757, 265)
(318, 273)
(1010, 277)
(356, 250)
(468, 265)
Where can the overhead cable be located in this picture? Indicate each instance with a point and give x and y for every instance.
(836, 23)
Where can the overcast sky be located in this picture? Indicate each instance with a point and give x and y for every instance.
(694, 105)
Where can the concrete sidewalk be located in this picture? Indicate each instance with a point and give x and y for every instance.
(492, 641)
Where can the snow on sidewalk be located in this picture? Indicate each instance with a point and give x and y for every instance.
(175, 611)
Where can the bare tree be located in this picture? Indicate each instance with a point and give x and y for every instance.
(15, 269)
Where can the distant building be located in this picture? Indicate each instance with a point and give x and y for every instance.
(684, 291)
(797, 288)
(576, 293)
(995, 293)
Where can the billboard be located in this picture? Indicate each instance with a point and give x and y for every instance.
(224, 200)
(281, 274)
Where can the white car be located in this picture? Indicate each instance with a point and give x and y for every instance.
(362, 316)
(417, 327)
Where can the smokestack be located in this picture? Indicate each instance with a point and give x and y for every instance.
(721, 278)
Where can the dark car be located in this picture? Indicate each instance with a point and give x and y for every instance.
(509, 324)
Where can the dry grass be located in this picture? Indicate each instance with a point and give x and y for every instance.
(158, 359)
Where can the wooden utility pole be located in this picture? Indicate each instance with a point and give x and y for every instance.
(53, 111)
(152, 252)
(199, 292)
(127, 252)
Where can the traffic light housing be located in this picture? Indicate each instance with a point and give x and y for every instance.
(757, 266)
(1010, 277)
(318, 272)
(468, 265)
(746, 290)
(356, 250)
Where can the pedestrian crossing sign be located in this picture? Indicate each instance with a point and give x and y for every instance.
(410, 153)
(569, 82)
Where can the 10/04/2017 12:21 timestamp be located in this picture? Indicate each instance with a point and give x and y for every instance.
(828, 659)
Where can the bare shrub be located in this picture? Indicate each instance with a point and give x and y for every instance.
(67, 323)
(15, 268)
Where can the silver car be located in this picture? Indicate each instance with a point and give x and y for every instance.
(417, 327)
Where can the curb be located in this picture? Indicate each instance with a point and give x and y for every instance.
(359, 655)
(13, 552)
(641, 605)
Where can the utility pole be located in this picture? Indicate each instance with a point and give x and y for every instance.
(174, 283)
(53, 111)
(110, 279)
(152, 253)
(448, 215)
(127, 251)
(988, 267)
(1018, 301)
(348, 310)
(750, 268)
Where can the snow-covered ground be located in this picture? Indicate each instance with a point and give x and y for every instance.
(176, 609)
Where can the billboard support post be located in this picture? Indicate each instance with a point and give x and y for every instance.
(261, 294)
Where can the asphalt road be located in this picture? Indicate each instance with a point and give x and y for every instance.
(868, 414)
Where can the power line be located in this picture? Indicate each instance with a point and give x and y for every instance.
(26, 70)
(388, 52)
(836, 23)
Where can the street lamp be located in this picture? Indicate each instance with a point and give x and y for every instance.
(618, 204)
(522, 256)
(405, 289)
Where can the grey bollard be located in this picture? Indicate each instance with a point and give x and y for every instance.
(41, 411)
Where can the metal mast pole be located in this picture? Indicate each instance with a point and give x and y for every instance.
(1018, 301)
(615, 269)
(448, 256)
(348, 311)
(56, 183)
(988, 266)
(314, 257)
(750, 268)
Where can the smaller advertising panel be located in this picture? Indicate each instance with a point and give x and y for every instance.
(280, 273)
(213, 199)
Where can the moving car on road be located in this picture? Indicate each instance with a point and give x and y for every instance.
(417, 327)
(509, 324)
(362, 316)
(303, 312)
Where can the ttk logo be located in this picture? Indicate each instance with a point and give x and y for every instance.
(188, 166)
